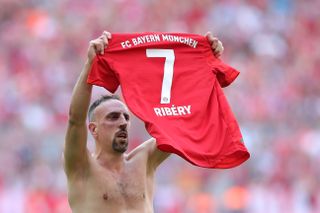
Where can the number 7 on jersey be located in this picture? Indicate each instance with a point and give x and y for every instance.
(168, 71)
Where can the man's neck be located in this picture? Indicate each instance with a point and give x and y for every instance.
(111, 161)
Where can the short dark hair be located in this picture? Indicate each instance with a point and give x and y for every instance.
(99, 101)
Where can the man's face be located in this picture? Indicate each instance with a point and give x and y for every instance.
(112, 122)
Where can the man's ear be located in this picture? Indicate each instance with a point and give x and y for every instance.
(93, 128)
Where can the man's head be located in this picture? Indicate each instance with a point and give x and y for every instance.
(108, 123)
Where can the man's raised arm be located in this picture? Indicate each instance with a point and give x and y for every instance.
(75, 149)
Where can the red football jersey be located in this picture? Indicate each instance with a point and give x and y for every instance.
(172, 82)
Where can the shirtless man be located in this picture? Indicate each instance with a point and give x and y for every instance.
(108, 180)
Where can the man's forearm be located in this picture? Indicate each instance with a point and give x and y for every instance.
(81, 96)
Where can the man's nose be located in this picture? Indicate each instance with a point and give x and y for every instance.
(123, 122)
(123, 126)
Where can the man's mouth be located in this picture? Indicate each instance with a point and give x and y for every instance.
(122, 134)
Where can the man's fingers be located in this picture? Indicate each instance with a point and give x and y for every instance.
(97, 46)
(219, 48)
(107, 34)
(216, 44)
(207, 34)
(212, 40)
(103, 42)
(100, 47)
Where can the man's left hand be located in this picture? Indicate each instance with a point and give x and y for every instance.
(216, 44)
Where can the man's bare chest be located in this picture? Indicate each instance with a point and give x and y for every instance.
(129, 185)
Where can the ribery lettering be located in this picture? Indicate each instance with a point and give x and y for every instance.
(172, 111)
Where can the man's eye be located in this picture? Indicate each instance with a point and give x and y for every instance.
(113, 116)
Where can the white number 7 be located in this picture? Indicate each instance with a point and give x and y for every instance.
(168, 71)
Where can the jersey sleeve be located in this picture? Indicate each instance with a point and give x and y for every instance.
(225, 73)
(102, 75)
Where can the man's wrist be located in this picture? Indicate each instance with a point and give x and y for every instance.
(88, 63)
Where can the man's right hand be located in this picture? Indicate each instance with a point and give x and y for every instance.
(97, 46)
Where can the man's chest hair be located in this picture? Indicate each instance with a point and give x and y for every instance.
(128, 184)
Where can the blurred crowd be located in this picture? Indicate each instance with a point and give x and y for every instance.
(274, 43)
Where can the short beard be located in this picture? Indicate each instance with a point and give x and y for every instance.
(118, 147)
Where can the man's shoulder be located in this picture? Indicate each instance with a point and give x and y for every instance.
(143, 149)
